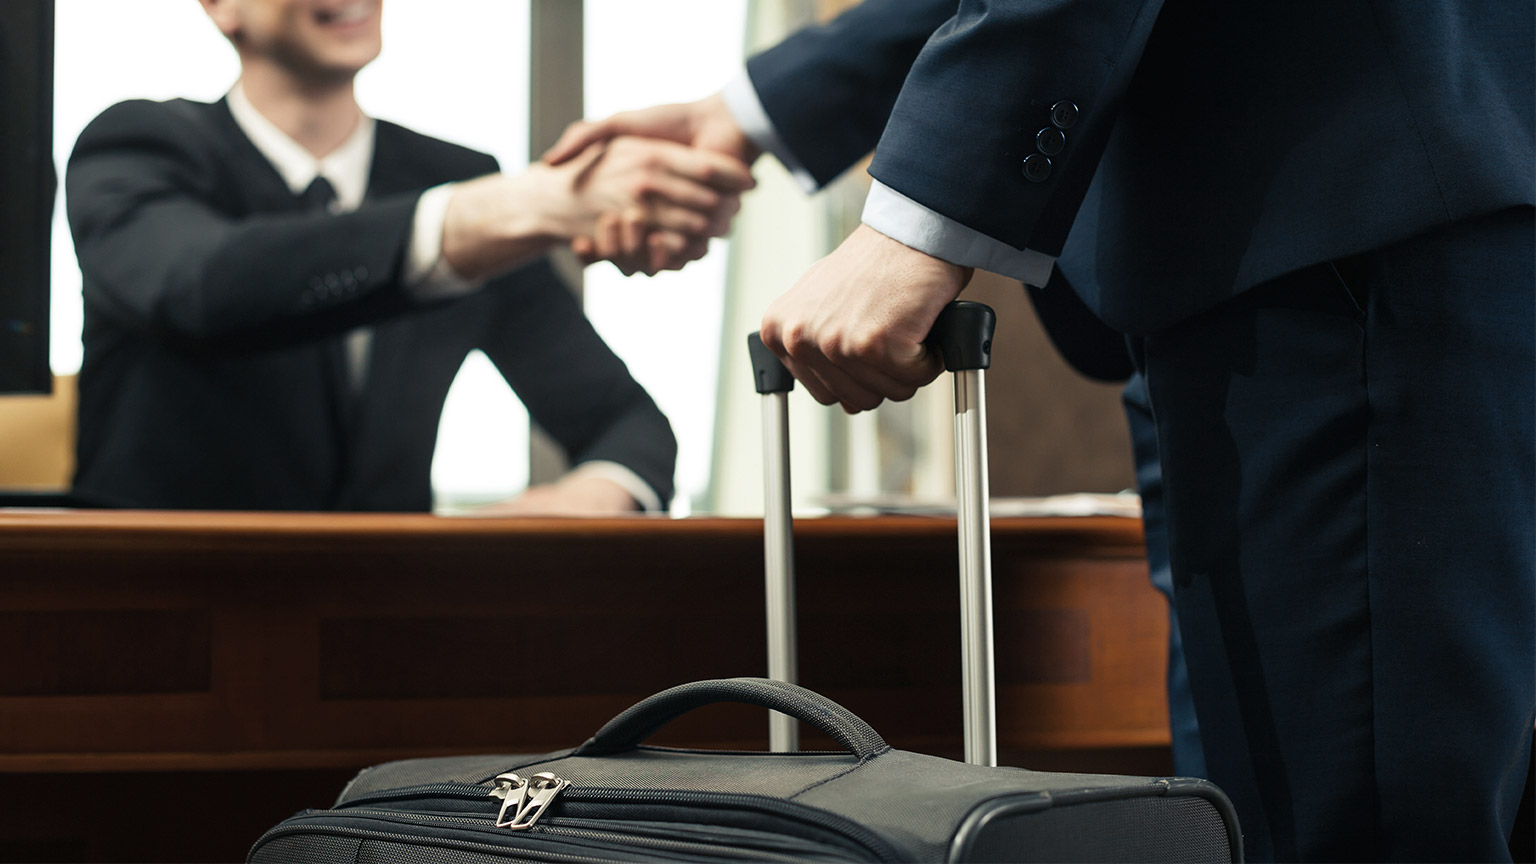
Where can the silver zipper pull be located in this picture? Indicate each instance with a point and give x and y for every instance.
(513, 792)
(541, 790)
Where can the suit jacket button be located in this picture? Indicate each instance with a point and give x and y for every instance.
(1050, 140)
(1037, 168)
(1063, 114)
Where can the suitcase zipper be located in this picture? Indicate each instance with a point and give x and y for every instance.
(861, 836)
(528, 798)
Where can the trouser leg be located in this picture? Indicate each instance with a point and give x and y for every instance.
(1452, 511)
(1188, 758)
(1348, 473)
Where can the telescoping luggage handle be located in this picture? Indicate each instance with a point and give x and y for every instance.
(631, 728)
(963, 336)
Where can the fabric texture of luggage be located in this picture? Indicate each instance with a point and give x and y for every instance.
(616, 798)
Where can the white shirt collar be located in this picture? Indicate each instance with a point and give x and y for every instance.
(346, 167)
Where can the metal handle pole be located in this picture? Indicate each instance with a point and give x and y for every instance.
(774, 382)
(963, 334)
(974, 521)
(779, 563)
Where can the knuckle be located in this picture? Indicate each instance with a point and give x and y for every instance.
(795, 339)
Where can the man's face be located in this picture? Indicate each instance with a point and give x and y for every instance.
(314, 39)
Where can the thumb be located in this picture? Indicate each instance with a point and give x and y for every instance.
(576, 138)
(670, 122)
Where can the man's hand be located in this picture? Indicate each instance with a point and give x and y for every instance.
(632, 185)
(852, 328)
(706, 124)
(571, 496)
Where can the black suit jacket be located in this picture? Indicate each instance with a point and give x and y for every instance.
(1216, 145)
(215, 306)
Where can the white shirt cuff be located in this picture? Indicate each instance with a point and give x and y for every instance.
(625, 479)
(911, 224)
(747, 110)
(427, 275)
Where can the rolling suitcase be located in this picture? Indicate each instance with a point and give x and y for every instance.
(615, 798)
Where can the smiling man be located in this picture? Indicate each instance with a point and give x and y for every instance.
(279, 289)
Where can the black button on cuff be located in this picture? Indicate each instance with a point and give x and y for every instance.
(1063, 114)
(1037, 168)
(1050, 140)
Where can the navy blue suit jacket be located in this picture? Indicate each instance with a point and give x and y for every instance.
(1217, 144)
(212, 376)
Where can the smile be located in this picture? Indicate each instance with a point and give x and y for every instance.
(345, 14)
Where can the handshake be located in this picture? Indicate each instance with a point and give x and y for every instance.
(647, 189)
(644, 189)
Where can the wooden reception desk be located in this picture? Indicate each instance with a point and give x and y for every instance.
(244, 665)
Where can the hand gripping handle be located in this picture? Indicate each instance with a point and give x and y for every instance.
(628, 730)
(962, 334)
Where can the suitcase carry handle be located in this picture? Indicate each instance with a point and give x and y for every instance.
(628, 730)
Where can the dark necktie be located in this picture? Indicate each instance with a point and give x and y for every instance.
(320, 195)
(335, 367)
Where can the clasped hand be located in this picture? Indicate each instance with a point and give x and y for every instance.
(852, 328)
(644, 203)
(649, 205)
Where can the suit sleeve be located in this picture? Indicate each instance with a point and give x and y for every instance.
(828, 89)
(572, 383)
(970, 134)
(161, 253)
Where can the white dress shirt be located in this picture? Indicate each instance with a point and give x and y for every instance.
(427, 276)
(890, 212)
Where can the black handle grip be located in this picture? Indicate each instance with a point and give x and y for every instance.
(628, 730)
(768, 372)
(963, 334)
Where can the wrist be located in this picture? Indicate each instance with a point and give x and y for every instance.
(498, 222)
(549, 199)
(911, 256)
(716, 128)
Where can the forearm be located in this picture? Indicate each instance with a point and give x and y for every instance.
(574, 386)
(827, 90)
(498, 223)
(176, 267)
(965, 137)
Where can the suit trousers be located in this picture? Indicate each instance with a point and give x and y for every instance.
(1183, 725)
(1348, 470)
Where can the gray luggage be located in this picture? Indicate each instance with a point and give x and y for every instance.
(616, 798)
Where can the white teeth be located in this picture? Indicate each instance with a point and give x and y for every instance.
(354, 12)
(348, 14)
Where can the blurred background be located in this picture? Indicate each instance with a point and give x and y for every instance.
(543, 63)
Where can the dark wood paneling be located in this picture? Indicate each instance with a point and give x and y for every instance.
(88, 653)
(332, 642)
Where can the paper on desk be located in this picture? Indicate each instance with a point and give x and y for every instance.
(1126, 504)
